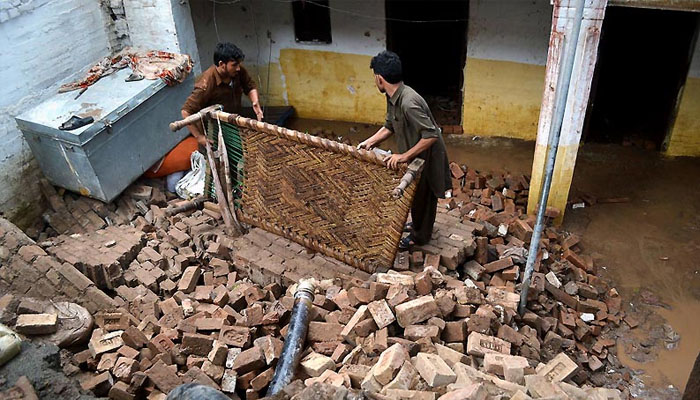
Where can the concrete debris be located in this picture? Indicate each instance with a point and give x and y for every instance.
(187, 304)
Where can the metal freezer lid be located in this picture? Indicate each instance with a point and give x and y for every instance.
(106, 101)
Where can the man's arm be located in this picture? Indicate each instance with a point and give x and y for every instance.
(250, 88)
(195, 129)
(195, 102)
(422, 145)
(382, 134)
(418, 117)
(253, 94)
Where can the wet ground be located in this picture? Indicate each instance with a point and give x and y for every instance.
(649, 247)
(41, 364)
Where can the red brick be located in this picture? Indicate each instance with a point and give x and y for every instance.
(415, 332)
(575, 259)
(189, 279)
(120, 391)
(134, 338)
(237, 336)
(417, 310)
(74, 276)
(498, 265)
(456, 171)
(249, 360)
(510, 335)
(163, 377)
(482, 251)
(455, 331)
(196, 344)
(324, 332)
(98, 384)
(124, 368)
(432, 260)
(402, 262)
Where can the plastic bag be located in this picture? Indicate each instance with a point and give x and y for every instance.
(192, 184)
(10, 344)
(172, 180)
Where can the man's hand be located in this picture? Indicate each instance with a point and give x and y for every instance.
(367, 145)
(202, 140)
(394, 160)
(258, 111)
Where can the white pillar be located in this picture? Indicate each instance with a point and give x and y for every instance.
(579, 90)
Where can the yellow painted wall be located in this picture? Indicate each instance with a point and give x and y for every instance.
(275, 95)
(333, 86)
(685, 137)
(502, 98)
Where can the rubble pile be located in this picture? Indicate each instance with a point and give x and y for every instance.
(68, 213)
(441, 323)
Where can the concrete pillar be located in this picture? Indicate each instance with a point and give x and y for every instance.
(579, 90)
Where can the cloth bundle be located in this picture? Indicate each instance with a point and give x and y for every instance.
(172, 68)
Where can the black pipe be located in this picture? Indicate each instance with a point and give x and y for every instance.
(296, 336)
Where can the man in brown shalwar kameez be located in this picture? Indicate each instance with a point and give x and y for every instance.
(417, 135)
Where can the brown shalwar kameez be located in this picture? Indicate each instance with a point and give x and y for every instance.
(211, 89)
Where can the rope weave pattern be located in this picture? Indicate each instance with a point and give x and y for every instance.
(324, 195)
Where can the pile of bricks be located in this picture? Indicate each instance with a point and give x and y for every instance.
(186, 303)
(68, 213)
(102, 255)
(28, 270)
(402, 335)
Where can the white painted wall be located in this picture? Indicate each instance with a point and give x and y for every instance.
(162, 25)
(42, 43)
(509, 30)
(357, 27)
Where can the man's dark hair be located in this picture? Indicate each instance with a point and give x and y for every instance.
(388, 65)
(226, 52)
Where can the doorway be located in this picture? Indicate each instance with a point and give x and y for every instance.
(643, 60)
(432, 53)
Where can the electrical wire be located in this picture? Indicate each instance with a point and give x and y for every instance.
(340, 10)
(216, 28)
(269, 61)
(257, 41)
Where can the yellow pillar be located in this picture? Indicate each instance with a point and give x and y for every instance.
(577, 100)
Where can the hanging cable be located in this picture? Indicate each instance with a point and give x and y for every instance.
(216, 28)
(340, 10)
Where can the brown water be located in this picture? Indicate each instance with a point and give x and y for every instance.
(662, 219)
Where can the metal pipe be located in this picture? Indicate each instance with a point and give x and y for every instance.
(296, 336)
(561, 94)
(196, 204)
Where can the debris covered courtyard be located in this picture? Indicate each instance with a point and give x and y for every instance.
(175, 300)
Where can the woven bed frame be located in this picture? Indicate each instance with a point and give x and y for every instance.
(327, 196)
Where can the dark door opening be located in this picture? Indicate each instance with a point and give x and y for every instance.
(643, 60)
(432, 53)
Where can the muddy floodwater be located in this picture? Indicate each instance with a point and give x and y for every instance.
(650, 244)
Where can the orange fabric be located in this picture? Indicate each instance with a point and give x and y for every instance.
(177, 160)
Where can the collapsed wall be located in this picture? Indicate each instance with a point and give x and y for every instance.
(27, 270)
